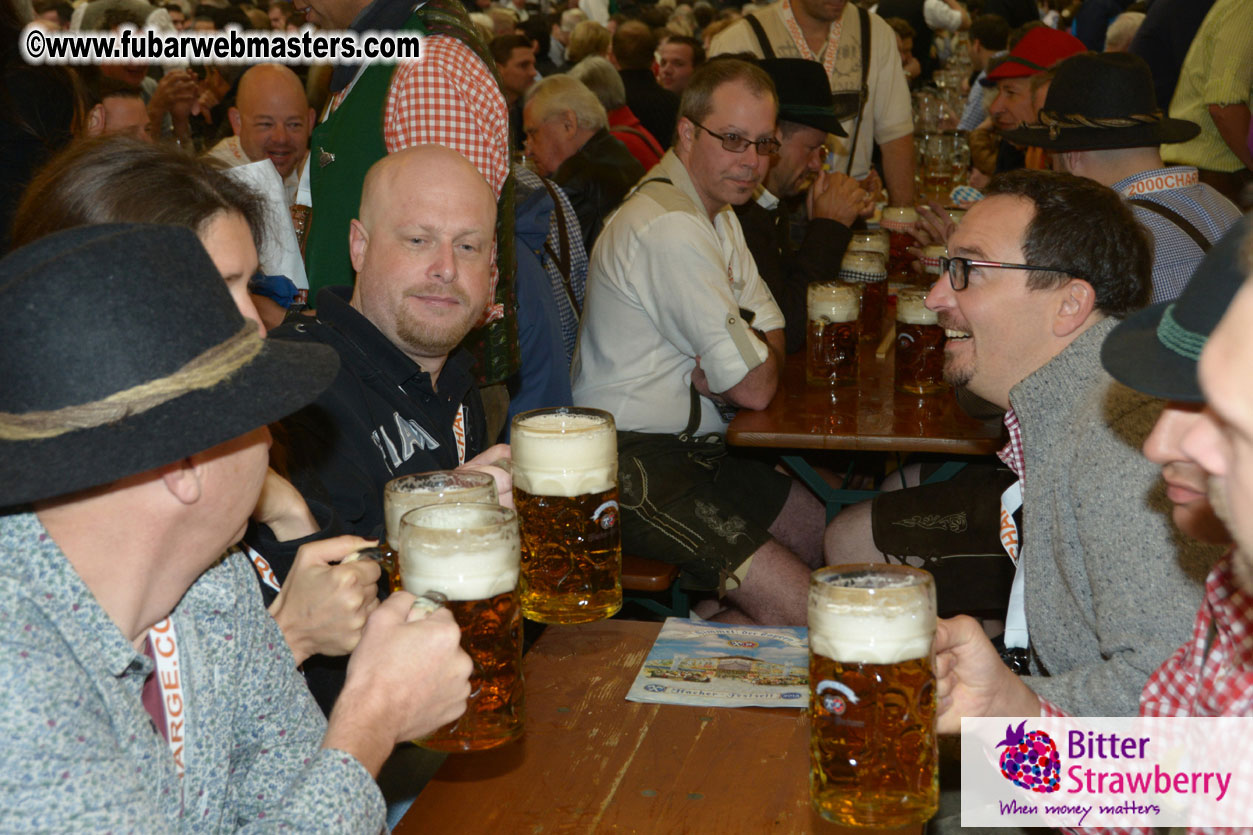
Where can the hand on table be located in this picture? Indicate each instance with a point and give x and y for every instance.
(322, 608)
(971, 679)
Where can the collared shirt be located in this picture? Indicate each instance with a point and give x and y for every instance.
(889, 112)
(381, 418)
(1218, 70)
(1011, 453)
(1210, 675)
(231, 153)
(977, 102)
(81, 754)
(570, 302)
(663, 283)
(1175, 254)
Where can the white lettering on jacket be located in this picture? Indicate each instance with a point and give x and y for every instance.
(412, 438)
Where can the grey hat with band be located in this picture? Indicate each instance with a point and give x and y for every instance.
(121, 350)
(1155, 350)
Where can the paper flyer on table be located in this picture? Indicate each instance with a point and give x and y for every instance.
(715, 665)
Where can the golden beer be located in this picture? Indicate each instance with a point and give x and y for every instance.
(565, 488)
(919, 345)
(867, 272)
(469, 553)
(832, 335)
(873, 757)
(409, 492)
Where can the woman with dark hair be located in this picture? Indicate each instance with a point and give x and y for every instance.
(320, 608)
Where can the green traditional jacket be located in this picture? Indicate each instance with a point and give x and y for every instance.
(349, 141)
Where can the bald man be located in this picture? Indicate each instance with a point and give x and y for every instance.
(271, 120)
(404, 401)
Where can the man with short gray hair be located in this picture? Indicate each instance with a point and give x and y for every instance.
(567, 135)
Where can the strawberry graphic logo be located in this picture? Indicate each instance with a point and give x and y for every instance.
(1030, 760)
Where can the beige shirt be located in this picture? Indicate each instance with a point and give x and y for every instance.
(889, 112)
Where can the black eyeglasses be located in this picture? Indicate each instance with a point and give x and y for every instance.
(958, 269)
(737, 144)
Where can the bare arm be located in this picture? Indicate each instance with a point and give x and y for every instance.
(1232, 121)
(898, 170)
(757, 388)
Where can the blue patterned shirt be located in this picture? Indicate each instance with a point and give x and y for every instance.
(527, 182)
(81, 754)
(1175, 254)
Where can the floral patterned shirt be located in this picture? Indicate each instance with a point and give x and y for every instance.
(81, 754)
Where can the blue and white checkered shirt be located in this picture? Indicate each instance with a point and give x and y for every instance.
(976, 108)
(528, 181)
(1175, 254)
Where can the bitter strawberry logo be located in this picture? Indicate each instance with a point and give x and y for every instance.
(1030, 760)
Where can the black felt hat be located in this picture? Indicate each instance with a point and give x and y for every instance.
(121, 350)
(1155, 350)
(1101, 101)
(804, 93)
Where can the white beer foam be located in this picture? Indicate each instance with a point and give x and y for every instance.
(900, 214)
(859, 261)
(871, 242)
(896, 624)
(833, 302)
(564, 454)
(396, 503)
(911, 308)
(438, 557)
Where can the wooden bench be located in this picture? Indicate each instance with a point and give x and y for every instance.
(644, 581)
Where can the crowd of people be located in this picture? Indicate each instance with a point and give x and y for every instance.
(238, 300)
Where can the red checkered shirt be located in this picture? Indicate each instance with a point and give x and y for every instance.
(1211, 675)
(449, 97)
(1011, 453)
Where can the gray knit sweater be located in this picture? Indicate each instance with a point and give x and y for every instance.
(1111, 587)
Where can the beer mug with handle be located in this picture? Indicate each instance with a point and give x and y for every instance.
(872, 744)
(565, 487)
(469, 554)
(403, 494)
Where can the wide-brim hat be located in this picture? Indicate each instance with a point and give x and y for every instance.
(804, 93)
(1037, 52)
(1102, 101)
(121, 351)
(1155, 350)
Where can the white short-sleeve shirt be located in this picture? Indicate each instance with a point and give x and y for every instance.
(662, 284)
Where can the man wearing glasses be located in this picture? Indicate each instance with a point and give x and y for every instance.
(1038, 273)
(831, 200)
(678, 331)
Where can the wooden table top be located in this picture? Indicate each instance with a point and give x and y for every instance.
(592, 762)
(871, 415)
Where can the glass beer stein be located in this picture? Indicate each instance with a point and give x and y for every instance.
(872, 708)
(565, 487)
(403, 494)
(867, 272)
(919, 345)
(470, 553)
(832, 334)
